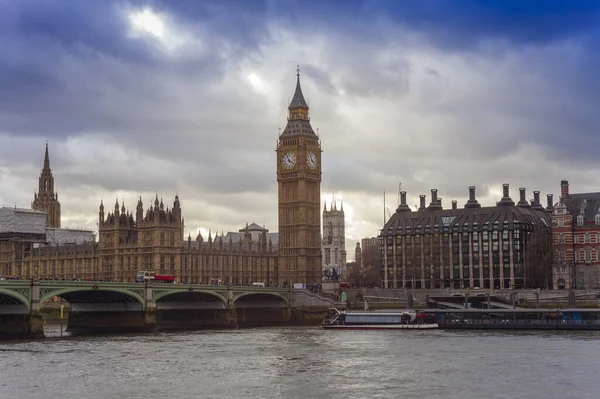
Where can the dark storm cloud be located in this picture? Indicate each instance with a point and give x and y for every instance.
(433, 94)
(466, 23)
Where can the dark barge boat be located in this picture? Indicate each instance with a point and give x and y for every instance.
(389, 320)
(518, 319)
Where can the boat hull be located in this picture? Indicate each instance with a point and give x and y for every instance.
(380, 326)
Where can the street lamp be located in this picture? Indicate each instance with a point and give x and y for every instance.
(36, 268)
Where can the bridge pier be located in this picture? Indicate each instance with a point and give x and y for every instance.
(149, 309)
(36, 323)
(232, 316)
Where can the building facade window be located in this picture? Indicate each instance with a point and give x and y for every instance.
(561, 238)
(580, 220)
(561, 222)
(587, 238)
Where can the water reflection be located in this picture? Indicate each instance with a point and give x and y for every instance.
(303, 362)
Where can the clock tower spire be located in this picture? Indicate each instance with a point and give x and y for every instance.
(299, 196)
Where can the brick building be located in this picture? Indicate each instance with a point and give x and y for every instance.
(576, 239)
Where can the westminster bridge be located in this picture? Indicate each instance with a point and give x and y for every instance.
(133, 307)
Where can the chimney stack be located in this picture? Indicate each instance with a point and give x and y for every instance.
(422, 202)
(564, 189)
(439, 201)
(403, 207)
(472, 202)
(549, 203)
(435, 203)
(454, 207)
(506, 200)
(505, 191)
(536, 202)
(523, 198)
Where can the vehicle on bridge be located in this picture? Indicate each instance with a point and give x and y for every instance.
(152, 277)
(399, 320)
(262, 285)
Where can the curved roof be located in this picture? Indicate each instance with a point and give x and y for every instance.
(467, 219)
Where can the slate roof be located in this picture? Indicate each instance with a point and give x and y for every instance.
(469, 219)
(298, 127)
(589, 202)
(298, 100)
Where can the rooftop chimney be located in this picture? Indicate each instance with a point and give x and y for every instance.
(506, 200)
(522, 198)
(472, 202)
(403, 207)
(454, 207)
(434, 200)
(536, 202)
(440, 203)
(564, 189)
(422, 202)
(549, 203)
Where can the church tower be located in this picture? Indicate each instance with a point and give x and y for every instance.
(299, 189)
(334, 243)
(45, 200)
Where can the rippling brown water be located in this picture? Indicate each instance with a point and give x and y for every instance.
(304, 363)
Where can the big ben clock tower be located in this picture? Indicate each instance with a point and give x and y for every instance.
(299, 188)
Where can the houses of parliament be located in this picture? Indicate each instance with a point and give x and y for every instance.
(33, 244)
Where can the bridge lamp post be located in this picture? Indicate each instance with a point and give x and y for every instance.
(36, 268)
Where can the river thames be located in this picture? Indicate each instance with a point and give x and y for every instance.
(304, 363)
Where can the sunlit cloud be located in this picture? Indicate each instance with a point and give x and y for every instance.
(147, 21)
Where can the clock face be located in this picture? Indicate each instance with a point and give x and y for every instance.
(288, 161)
(311, 160)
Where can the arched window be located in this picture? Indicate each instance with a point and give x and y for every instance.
(580, 220)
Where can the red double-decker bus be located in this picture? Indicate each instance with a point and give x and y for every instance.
(150, 276)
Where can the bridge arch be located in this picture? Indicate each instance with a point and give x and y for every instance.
(189, 299)
(10, 297)
(99, 294)
(254, 299)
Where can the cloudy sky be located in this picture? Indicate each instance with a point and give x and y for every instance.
(164, 97)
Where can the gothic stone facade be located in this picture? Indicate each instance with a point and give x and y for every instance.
(299, 196)
(503, 246)
(45, 199)
(334, 243)
(154, 241)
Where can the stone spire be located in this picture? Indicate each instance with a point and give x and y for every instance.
(46, 200)
(298, 115)
(46, 159)
(298, 100)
